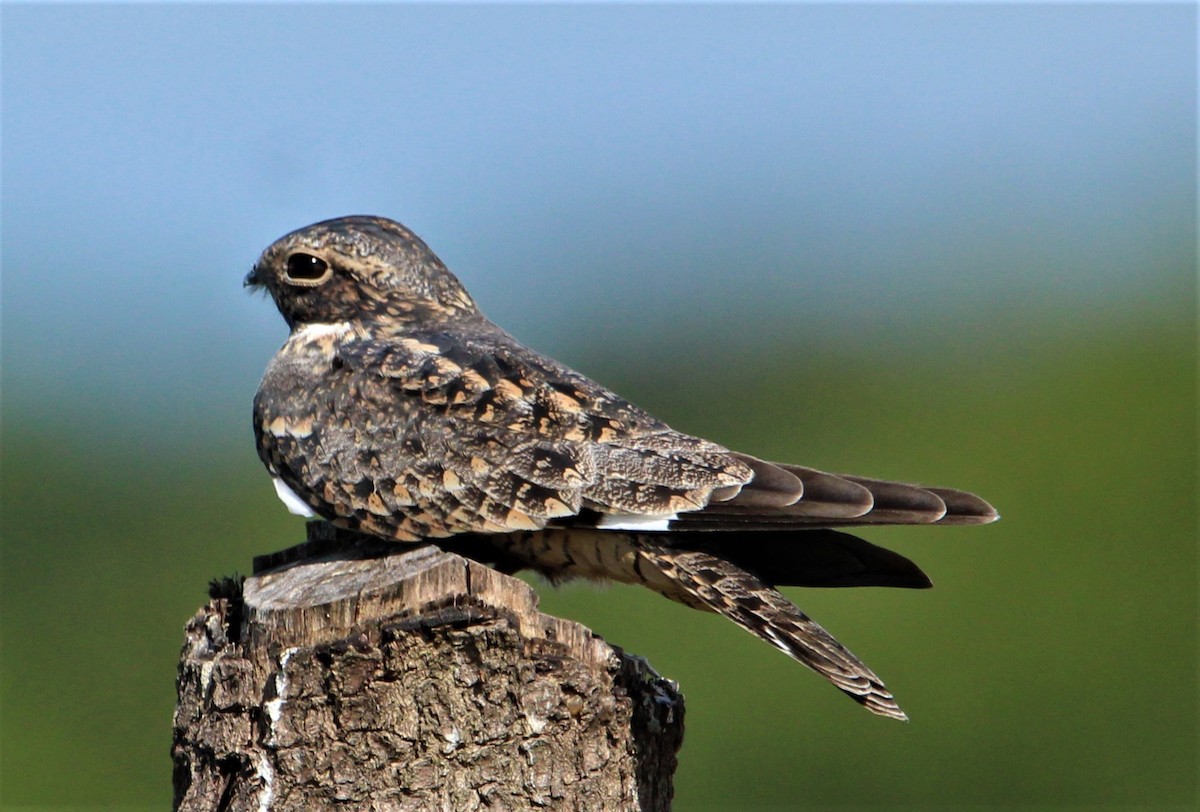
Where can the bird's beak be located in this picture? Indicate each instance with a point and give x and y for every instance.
(252, 279)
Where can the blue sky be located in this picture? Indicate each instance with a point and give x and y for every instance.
(593, 173)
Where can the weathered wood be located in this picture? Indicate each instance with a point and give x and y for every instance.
(363, 675)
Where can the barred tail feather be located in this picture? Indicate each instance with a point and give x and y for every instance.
(705, 581)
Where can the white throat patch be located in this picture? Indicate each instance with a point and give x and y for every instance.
(317, 330)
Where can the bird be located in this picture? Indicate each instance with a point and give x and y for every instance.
(396, 409)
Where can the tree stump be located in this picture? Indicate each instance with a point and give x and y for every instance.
(356, 673)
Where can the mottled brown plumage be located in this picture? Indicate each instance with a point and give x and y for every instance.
(396, 409)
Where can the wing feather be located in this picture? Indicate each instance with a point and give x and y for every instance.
(489, 434)
(529, 435)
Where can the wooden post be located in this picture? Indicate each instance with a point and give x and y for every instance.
(359, 673)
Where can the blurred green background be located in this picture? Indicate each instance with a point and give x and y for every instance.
(945, 244)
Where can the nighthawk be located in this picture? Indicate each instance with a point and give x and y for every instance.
(396, 409)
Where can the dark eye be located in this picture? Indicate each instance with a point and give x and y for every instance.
(305, 269)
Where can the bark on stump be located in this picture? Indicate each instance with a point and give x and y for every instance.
(360, 675)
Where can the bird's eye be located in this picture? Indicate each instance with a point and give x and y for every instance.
(306, 270)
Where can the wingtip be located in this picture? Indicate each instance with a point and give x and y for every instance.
(965, 508)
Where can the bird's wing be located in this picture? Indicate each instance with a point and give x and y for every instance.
(512, 440)
(491, 437)
(498, 440)
(804, 497)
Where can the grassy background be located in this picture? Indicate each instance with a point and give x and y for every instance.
(943, 242)
(1053, 664)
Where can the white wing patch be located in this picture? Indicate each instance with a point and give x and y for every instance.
(631, 521)
(290, 500)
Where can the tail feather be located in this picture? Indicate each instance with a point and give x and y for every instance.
(729, 552)
(705, 581)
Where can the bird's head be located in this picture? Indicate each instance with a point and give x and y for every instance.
(357, 268)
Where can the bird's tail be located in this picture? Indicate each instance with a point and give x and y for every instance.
(698, 579)
(706, 581)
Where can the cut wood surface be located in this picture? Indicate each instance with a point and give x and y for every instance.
(359, 674)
